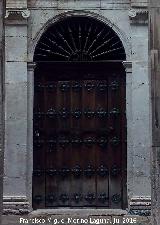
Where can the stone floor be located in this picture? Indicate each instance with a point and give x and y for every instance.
(74, 219)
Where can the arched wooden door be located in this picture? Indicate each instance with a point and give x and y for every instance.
(79, 152)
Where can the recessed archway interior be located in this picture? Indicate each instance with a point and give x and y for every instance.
(79, 138)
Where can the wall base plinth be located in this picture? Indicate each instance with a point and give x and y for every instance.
(15, 205)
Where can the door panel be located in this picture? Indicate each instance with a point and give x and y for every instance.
(114, 121)
(79, 150)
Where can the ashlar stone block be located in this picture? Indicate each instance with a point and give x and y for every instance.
(16, 49)
(15, 72)
(16, 101)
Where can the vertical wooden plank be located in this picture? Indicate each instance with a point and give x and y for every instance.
(102, 176)
(76, 142)
(123, 138)
(92, 157)
(51, 149)
(88, 100)
(64, 148)
(115, 147)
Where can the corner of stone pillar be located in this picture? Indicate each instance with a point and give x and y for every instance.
(30, 99)
(31, 66)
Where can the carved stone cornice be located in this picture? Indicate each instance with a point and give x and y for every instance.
(138, 15)
(16, 15)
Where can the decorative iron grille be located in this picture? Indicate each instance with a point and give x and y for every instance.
(79, 39)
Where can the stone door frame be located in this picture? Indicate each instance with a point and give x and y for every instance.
(31, 67)
(30, 80)
(21, 198)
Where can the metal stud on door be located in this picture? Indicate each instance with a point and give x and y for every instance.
(79, 138)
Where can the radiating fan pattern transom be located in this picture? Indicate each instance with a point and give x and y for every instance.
(79, 39)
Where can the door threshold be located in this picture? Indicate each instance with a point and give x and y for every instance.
(77, 212)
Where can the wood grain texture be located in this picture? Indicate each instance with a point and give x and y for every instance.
(102, 137)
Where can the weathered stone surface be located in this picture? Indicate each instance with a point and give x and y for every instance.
(16, 31)
(63, 4)
(20, 43)
(16, 102)
(16, 49)
(138, 3)
(14, 185)
(2, 9)
(79, 4)
(16, 3)
(154, 7)
(75, 212)
(16, 72)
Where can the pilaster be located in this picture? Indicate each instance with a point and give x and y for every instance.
(139, 199)
(30, 86)
(15, 186)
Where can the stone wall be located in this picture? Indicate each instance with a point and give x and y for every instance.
(1, 104)
(154, 7)
(23, 29)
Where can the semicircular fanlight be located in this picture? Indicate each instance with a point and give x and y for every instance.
(79, 39)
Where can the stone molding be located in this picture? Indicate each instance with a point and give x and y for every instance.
(66, 14)
(128, 66)
(16, 16)
(138, 15)
(31, 66)
(140, 205)
(23, 13)
(141, 200)
(15, 205)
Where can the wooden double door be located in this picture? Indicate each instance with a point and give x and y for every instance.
(79, 139)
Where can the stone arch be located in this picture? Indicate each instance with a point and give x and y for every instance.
(96, 17)
(123, 37)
